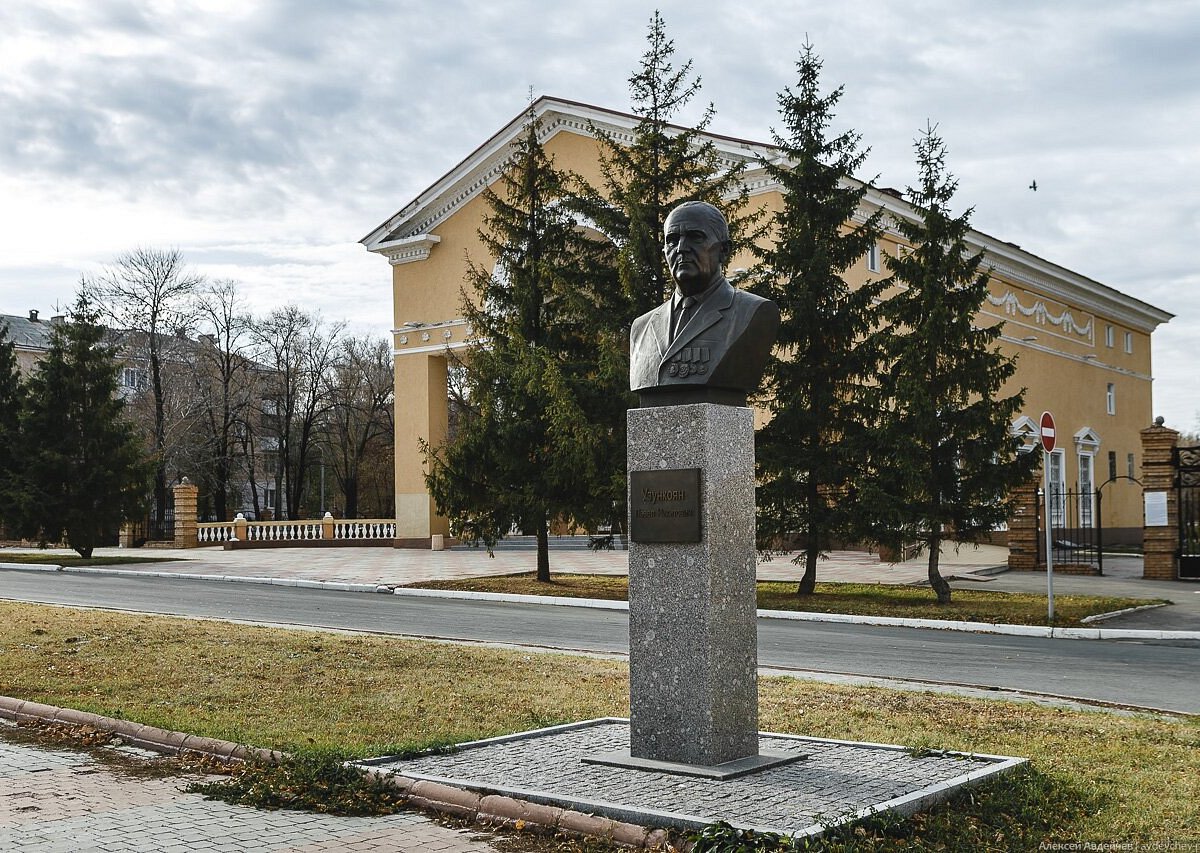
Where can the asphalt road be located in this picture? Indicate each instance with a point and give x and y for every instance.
(1149, 674)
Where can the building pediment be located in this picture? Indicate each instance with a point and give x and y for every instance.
(484, 165)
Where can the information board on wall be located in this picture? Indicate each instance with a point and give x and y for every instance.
(1156, 509)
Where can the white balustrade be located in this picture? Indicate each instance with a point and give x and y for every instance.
(381, 530)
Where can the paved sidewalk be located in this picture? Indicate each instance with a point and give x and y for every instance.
(64, 801)
(397, 567)
(1122, 577)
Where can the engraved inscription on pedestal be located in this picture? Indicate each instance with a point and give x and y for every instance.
(664, 505)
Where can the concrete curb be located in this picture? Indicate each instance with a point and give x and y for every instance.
(1101, 617)
(338, 586)
(431, 796)
(884, 621)
(598, 604)
(512, 598)
(147, 737)
(513, 813)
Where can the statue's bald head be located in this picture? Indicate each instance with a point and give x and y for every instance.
(709, 214)
(696, 245)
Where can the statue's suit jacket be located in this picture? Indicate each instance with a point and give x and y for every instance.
(724, 345)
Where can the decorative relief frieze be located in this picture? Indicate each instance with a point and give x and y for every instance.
(1040, 314)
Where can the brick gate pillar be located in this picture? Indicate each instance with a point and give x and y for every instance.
(1160, 544)
(1022, 527)
(186, 498)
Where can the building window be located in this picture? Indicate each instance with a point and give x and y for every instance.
(133, 377)
(1112, 464)
(1086, 489)
(1110, 399)
(1129, 463)
(1058, 488)
(1129, 342)
(1110, 336)
(873, 258)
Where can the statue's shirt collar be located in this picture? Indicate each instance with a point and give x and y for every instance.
(699, 298)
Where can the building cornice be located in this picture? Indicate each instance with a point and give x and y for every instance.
(407, 249)
(412, 338)
(1088, 359)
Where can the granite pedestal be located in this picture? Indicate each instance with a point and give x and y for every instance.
(693, 644)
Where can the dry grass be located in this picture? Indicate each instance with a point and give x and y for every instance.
(302, 690)
(861, 599)
(292, 689)
(1143, 772)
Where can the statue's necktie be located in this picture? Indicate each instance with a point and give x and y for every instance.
(687, 307)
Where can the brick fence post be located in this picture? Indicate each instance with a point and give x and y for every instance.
(1023, 528)
(186, 498)
(1160, 545)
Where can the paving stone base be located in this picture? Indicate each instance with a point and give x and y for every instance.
(840, 781)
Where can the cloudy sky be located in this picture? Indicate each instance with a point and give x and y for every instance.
(264, 139)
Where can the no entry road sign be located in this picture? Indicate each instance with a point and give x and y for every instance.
(1048, 432)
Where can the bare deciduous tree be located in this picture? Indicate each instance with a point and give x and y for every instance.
(296, 349)
(226, 381)
(146, 294)
(359, 421)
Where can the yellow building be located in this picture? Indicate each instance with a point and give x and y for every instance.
(1083, 348)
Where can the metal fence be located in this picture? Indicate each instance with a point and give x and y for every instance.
(1187, 485)
(1074, 527)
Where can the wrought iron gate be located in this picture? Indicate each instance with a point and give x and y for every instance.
(1187, 494)
(1074, 527)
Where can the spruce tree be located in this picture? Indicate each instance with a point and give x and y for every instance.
(11, 396)
(525, 452)
(84, 472)
(664, 165)
(641, 182)
(948, 460)
(810, 453)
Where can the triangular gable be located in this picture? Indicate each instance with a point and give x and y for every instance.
(483, 165)
(1087, 439)
(1026, 430)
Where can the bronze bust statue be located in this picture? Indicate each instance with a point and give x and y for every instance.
(709, 342)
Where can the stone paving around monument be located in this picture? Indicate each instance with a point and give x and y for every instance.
(839, 779)
(66, 801)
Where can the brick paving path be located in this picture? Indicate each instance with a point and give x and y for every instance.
(63, 801)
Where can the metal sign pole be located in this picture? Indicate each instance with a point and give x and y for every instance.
(1049, 540)
(1048, 434)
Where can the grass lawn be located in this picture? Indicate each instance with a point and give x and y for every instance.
(861, 599)
(1096, 776)
(75, 560)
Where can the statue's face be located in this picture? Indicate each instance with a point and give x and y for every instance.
(694, 253)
